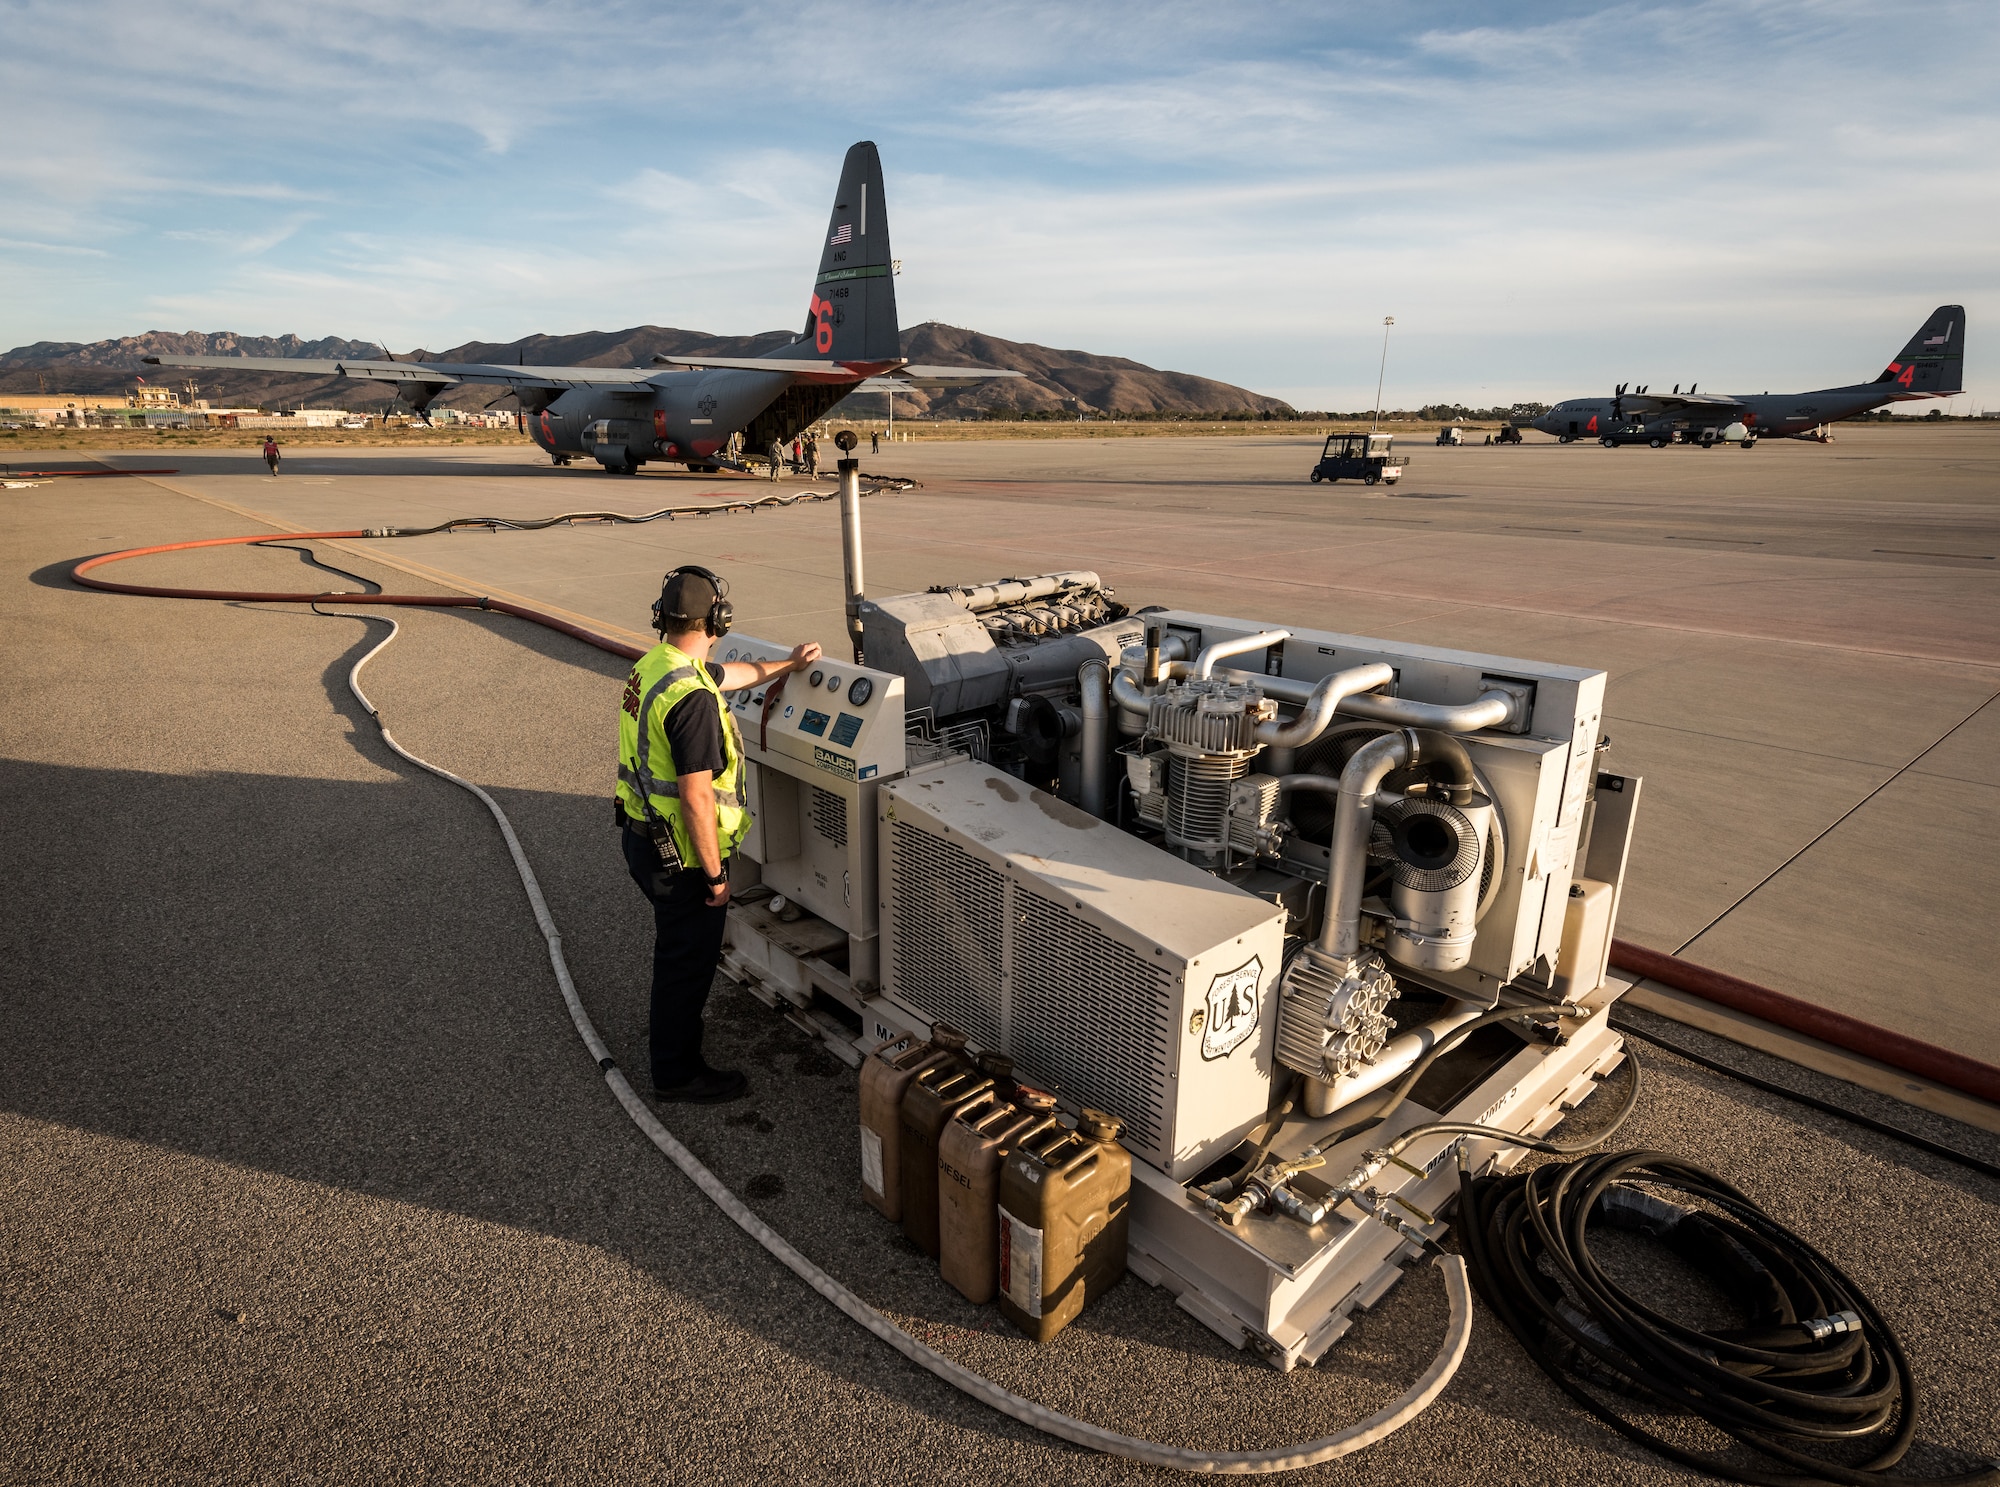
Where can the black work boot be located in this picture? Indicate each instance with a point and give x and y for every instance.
(709, 1087)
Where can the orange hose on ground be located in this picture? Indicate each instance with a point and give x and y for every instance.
(81, 574)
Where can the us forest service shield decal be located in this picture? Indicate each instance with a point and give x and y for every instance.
(1232, 1009)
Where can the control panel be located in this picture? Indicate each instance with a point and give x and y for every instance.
(837, 719)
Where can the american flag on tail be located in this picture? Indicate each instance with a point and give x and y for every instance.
(841, 234)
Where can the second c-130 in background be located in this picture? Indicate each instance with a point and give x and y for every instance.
(686, 408)
(1932, 365)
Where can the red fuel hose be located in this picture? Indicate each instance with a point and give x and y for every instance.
(1912, 1055)
(81, 573)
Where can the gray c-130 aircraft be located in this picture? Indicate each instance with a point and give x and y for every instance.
(686, 415)
(1932, 365)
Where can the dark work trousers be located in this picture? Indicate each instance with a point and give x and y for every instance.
(687, 947)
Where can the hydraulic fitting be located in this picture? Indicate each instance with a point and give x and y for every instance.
(1822, 1328)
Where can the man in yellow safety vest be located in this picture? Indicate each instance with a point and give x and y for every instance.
(681, 810)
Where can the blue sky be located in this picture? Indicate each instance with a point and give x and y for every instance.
(1548, 198)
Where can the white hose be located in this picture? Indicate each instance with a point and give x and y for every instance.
(1391, 1417)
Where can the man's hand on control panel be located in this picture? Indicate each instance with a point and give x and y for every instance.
(737, 675)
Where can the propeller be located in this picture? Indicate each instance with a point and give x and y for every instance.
(1618, 402)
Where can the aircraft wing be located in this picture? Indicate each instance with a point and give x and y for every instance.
(435, 373)
(1678, 402)
(944, 376)
(883, 373)
(931, 378)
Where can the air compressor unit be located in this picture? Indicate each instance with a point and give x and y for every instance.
(1179, 866)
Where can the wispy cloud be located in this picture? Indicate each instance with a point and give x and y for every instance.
(1758, 191)
(244, 244)
(73, 250)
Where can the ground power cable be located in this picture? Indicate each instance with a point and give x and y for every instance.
(1818, 1373)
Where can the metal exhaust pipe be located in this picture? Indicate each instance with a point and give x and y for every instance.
(850, 549)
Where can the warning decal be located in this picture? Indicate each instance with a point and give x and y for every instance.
(1021, 1264)
(871, 1162)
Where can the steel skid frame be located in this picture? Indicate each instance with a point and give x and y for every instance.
(1270, 1285)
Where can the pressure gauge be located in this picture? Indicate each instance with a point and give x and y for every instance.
(861, 691)
(816, 678)
(833, 684)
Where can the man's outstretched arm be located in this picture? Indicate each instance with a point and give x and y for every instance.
(737, 675)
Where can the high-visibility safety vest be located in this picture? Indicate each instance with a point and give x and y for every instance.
(648, 782)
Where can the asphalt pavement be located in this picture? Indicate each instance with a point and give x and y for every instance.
(305, 1176)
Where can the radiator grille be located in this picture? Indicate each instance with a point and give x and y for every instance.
(946, 932)
(829, 816)
(1090, 1017)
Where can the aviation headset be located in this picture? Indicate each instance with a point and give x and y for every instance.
(721, 614)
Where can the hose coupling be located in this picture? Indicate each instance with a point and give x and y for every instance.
(1239, 1208)
(1371, 1164)
(1822, 1328)
(1401, 1202)
(1304, 1162)
(1369, 1204)
(1293, 1206)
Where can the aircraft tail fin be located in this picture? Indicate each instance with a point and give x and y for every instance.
(1933, 364)
(852, 316)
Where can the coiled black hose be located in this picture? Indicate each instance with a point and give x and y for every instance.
(1816, 1367)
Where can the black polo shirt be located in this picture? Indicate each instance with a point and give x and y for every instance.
(694, 730)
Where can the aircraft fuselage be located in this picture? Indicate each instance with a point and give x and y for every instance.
(1763, 415)
(685, 417)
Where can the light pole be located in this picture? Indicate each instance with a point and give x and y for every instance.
(895, 272)
(1381, 371)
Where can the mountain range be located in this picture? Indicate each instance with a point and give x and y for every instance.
(1056, 380)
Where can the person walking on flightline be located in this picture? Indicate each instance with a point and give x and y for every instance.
(680, 809)
(271, 453)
